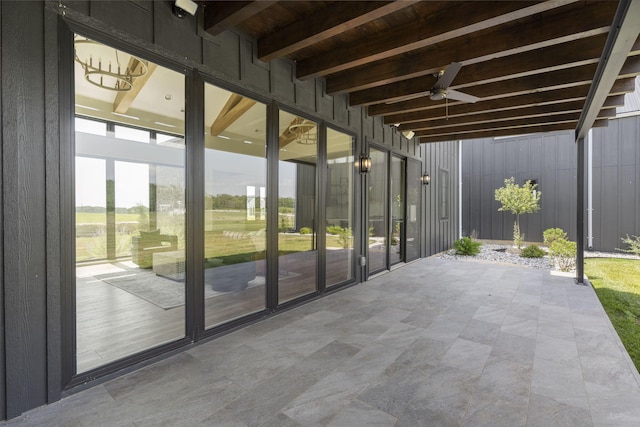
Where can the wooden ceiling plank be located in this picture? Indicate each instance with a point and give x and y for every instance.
(490, 117)
(234, 108)
(435, 28)
(341, 16)
(631, 67)
(220, 16)
(566, 55)
(586, 21)
(508, 124)
(537, 98)
(510, 88)
(124, 100)
(493, 133)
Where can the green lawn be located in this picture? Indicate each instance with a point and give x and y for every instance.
(617, 284)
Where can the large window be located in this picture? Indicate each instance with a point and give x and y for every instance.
(297, 226)
(339, 207)
(378, 195)
(235, 206)
(130, 205)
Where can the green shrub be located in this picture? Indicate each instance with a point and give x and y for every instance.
(563, 254)
(306, 230)
(345, 236)
(334, 230)
(467, 246)
(552, 234)
(532, 251)
(634, 244)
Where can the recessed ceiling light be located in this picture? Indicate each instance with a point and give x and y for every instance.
(125, 115)
(164, 124)
(223, 137)
(168, 97)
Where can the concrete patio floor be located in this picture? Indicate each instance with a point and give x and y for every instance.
(433, 343)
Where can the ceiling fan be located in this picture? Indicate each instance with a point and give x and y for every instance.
(440, 89)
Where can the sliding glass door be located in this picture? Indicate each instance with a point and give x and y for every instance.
(129, 206)
(378, 196)
(397, 206)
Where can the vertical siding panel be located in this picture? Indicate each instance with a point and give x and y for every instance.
(24, 206)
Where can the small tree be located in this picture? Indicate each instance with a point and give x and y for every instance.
(518, 200)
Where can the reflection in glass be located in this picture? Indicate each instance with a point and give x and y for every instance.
(235, 202)
(130, 216)
(339, 207)
(297, 250)
(377, 197)
(396, 251)
(412, 232)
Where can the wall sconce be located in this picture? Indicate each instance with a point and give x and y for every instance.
(182, 7)
(426, 178)
(365, 163)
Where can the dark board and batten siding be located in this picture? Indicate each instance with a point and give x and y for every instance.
(34, 187)
(551, 160)
(438, 234)
(616, 182)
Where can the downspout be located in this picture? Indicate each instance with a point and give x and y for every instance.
(460, 189)
(590, 190)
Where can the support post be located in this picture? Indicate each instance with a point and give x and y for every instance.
(580, 214)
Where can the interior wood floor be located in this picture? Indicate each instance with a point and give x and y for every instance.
(112, 323)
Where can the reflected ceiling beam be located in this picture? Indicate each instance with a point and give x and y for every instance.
(435, 27)
(625, 31)
(343, 16)
(220, 16)
(124, 99)
(578, 21)
(235, 107)
(565, 55)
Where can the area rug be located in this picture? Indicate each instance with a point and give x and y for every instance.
(160, 291)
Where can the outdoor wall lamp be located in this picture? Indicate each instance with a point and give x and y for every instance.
(182, 7)
(426, 178)
(365, 163)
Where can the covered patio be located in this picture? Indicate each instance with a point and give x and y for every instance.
(437, 342)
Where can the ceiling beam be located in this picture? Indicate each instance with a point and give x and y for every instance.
(565, 55)
(582, 20)
(435, 27)
(342, 16)
(496, 133)
(124, 99)
(220, 16)
(234, 108)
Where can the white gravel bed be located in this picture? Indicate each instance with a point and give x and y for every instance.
(491, 252)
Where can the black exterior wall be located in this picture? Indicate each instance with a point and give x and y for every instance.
(550, 159)
(35, 135)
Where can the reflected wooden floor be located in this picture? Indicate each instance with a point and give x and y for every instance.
(113, 323)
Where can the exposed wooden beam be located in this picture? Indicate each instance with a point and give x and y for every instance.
(578, 22)
(220, 16)
(565, 55)
(342, 16)
(234, 108)
(124, 99)
(443, 24)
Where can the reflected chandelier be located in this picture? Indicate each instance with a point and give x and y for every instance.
(112, 76)
(304, 132)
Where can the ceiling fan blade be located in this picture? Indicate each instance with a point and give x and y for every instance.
(450, 73)
(459, 96)
(408, 97)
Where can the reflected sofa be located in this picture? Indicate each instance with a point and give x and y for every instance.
(149, 242)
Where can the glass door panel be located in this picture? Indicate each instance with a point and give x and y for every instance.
(297, 227)
(412, 229)
(235, 206)
(130, 212)
(396, 250)
(377, 195)
(339, 208)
